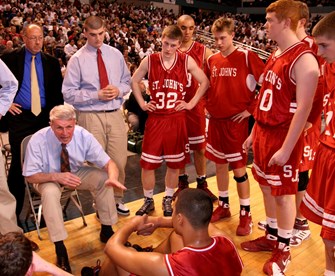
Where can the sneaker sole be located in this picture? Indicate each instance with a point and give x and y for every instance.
(123, 213)
(296, 245)
(245, 234)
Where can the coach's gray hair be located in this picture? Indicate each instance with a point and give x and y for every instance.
(62, 112)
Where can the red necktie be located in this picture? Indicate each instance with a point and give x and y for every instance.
(64, 160)
(102, 71)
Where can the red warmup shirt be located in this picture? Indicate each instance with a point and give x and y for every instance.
(233, 81)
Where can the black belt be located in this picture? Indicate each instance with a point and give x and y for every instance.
(100, 111)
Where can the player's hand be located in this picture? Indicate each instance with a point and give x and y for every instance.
(115, 183)
(68, 179)
(279, 158)
(148, 226)
(181, 105)
(247, 144)
(150, 106)
(108, 93)
(240, 116)
(15, 109)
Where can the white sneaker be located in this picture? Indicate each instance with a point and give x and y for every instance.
(300, 233)
(122, 209)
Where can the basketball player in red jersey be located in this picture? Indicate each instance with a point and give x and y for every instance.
(195, 118)
(165, 136)
(231, 99)
(285, 101)
(194, 248)
(301, 230)
(318, 204)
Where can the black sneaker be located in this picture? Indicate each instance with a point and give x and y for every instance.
(202, 184)
(182, 184)
(147, 207)
(91, 271)
(167, 206)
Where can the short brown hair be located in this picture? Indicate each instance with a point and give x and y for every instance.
(173, 32)
(325, 27)
(286, 9)
(223, 24)
(16, 254)
(94, 22)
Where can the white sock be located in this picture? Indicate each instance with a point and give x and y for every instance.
(148, 193)
(329, 273)
(272, 222)
(169, 191)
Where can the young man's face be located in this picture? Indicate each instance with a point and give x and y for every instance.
(169, 46)
(223, 40)
(326, 48)
(95, 38)
(187, 27)
(273, 26)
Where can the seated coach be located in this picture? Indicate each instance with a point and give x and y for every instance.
(55, 159)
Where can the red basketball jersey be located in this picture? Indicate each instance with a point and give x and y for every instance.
(233, 81)
(167, 85)
(197, 51)
(277, 98)
(328, 136)
(219, 258)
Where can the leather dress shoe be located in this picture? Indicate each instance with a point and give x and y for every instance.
(34, 246)
(63, 263)
(104, 238)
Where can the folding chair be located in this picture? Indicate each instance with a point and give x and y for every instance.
(35, 198)
(6, 151)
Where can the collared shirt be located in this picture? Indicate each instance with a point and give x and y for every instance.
(9, 87)
(81, 83)
(44, 150)
(23, 96)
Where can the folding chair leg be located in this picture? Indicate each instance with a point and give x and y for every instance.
(75, 199)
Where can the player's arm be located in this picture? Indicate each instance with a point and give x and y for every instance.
(200, 76)
(136, 79)
(305, 72)
(139, 263)
(208, 53)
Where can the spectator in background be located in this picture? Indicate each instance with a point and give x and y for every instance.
(136, 116)
(70, 49)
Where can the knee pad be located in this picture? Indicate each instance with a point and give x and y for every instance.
(303, 181)
(241, 178)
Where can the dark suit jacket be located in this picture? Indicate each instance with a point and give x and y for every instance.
(52, 75)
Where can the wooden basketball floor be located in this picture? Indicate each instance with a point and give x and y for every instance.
(84, 246)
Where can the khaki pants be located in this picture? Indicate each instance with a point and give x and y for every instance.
(7, 205)
(92, 179)
(110, 131)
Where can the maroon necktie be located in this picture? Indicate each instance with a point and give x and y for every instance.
(64, 160)
(102, 71)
